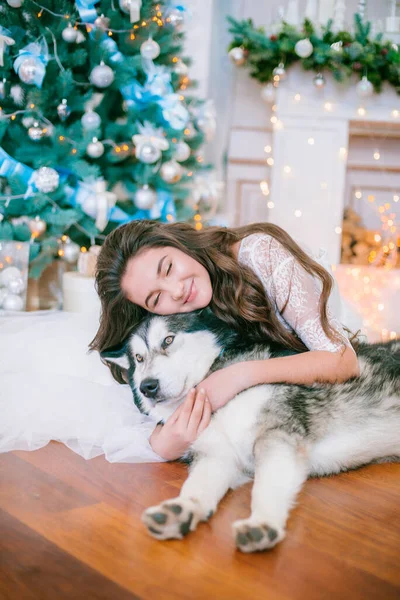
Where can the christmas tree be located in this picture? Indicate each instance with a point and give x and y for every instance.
(94, 128)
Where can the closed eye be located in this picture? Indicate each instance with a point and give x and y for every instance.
(166, 274)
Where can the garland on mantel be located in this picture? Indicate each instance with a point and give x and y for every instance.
(316, 48)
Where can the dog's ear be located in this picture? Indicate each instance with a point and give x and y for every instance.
(117, 355)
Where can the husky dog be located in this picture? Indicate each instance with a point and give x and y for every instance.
(278, 434)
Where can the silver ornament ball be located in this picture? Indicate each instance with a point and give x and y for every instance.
(8, 274)
(3, 294)
(69, 34)
(63, 110)
(182, 151)
(15, 3)
(37, 226)
(16, 286)
(71, 252)
(364, 88)
(279, 72)
(176, 18)
(27, 70)
(147, 153)
(268, 93)
(304, 48)
(150, 49)
(145, 198)
(181, 68)
(3, 89)
(35, 132)
(90, 120)
(319, 81)
(102, 76)
(46, 179)
(102, 22)
(171, 171)
(13, 302)
(237, 56)
(95, 148)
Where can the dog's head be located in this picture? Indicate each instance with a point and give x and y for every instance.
(164, 357)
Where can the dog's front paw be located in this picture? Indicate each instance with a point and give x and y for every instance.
(254, 536)
(172, 519)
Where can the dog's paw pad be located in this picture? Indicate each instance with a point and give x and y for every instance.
(172, 519)
(252, 537)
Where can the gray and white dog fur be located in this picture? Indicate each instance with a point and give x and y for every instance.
(278, 434)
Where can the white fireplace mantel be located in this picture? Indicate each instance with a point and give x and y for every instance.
(310, 142)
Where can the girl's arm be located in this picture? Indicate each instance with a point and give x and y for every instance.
(306, 368)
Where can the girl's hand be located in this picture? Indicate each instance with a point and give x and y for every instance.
(223, 385)
(170, 441)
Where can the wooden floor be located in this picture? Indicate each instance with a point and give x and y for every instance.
(71, 528)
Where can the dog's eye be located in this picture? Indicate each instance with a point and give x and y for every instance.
(139, 358)
(168, 340)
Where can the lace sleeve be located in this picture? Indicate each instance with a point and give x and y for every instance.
(286, 282)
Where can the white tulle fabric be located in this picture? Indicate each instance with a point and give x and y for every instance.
(287, 282)
(52, 389)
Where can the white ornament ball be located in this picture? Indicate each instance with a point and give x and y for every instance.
(147, 153)
(364, 88)
(27, 70)
(319, 81)
(15, 3)
(71, 252)
(268, 93)
(237, 56)
(69, 34)
(280, 72)
(150, 49)
(171, 171)
(3, 294)
(304, 48)
(95, 148)
(35, 132)
(182, 151)
(145, 197)
(13, 302)
(16, 286)
(102, 76)
(91, 120)
(37, 226)
(46, 179)
(8, 274)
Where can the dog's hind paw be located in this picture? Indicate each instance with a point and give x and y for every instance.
(173, 519)
(255, 536)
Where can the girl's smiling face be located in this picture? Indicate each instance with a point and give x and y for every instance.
(166, 281)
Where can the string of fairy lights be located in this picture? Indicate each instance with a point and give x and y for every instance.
(41, 126)
(362, 288)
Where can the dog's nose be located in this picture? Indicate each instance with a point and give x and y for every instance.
(149, 387)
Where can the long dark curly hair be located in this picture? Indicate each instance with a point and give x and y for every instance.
(238, 296)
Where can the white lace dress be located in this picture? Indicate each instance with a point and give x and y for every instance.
(284, 279)
(52, 389)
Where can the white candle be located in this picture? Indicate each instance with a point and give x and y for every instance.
(79, 294)
(325, 11)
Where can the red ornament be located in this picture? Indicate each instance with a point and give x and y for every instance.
(384, 51)
(273, 38)
(357, 66)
